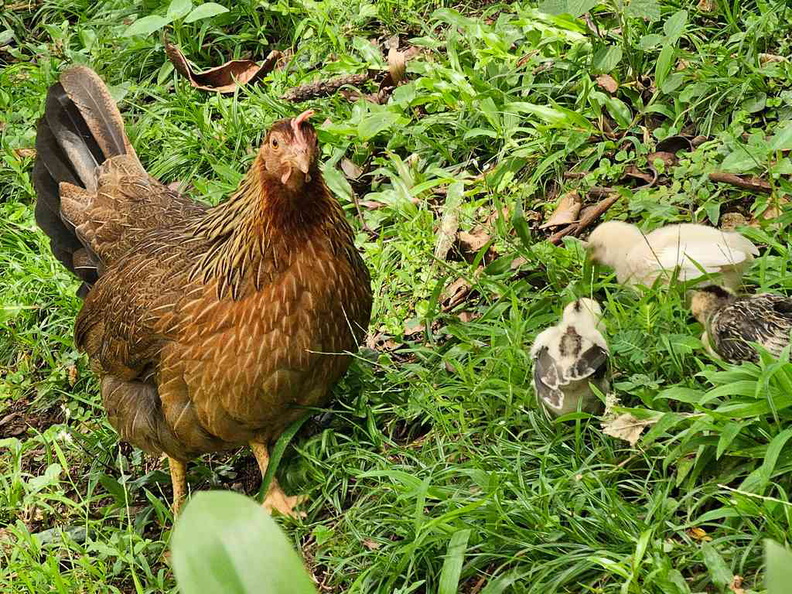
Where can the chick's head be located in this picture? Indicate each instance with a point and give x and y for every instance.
(583, 312)
(708, 300)
(610, 242)
(289, 152)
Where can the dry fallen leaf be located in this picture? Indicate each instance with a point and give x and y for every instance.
(370, 544)
(607, 82)
(627, 427)
(455, 294)
(706, 6)
(73, 374)
(771, 59)
(668, 159)
(674, 144)
(470, 244)
(225, 78)
(698, 534)
(635, 173)
(24, 153)
(566, 212)
(351, 169)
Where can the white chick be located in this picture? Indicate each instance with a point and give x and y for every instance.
(695, 250)
(569, 357)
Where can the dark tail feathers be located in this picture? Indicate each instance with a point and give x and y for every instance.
(81, 129)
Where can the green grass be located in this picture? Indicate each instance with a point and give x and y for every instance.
(444, 435)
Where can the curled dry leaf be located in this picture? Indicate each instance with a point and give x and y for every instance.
(469, 244)
(566, 212)
(736, 585)
(370, 544)
(455, 294)
(674, 144)
(648, 178)
(351, 169)
(607, 82)
(626, 426)
(706, 6)
(25, 153)
(698, 534)
(225, 78)
(771, 59)
(381, 342)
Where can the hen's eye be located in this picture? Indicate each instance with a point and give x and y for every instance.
(274, 143)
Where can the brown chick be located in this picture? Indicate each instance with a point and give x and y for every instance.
(209, 327)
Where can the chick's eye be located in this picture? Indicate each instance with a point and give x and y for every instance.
(275, 143)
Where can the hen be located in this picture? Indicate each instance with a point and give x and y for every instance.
(209, 327)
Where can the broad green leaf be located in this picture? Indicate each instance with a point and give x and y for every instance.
(719, 571)
(146, 26)
(755, 103)
(778, 561)
(782, 139)
(178, 9)
(204, 11)
(650, 41)
(606, 59)
(376, 122)
(225, 542)
(619, 111)
(452, 566)
(643, 9)
(555, 116)
(664, 63)
(742, 159)
(727, 436)
(674, 27)
(571, 7)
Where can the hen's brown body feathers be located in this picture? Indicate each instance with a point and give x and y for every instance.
(210, 328)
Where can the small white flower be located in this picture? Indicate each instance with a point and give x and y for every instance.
(65, 436)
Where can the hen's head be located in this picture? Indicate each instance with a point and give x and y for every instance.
(289, 152)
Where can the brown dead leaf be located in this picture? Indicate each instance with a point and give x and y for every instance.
(455, 294)
(73, 374)
(12, 425)
(225, 78)
(765, 59)
(379, 341)
(772, 212)
(731, 220)
(566, 212)
(25, 153)
(736, 585)
(446, 234)
(707, 6)
(625, 426)
(607, 82)
(668, 159)
(633, 172)
(468, 316)
(698, 534)
(370, 544)
(469, 244)
(674, 144)
(351, 170)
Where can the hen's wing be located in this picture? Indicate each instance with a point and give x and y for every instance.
(548, 379)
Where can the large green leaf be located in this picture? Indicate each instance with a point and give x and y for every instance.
(779, 568)
(452, 566)
(571, 7)
(225, 542)
(204, 11)
(146, 26)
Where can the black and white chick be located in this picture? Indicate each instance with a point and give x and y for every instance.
(732, 323)
(570, 356)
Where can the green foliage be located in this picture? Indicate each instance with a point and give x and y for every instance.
(436, 471)
(224, 542)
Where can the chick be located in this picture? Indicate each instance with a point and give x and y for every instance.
(570, 356)
(732, 323)
(695, 250)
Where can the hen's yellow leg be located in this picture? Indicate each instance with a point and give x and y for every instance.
(178, 472)
(276, 499)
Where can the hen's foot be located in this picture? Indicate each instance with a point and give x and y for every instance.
(277, 501)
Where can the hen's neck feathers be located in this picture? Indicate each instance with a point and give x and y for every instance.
(257, 230)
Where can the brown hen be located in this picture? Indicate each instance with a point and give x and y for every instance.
(209, 327)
